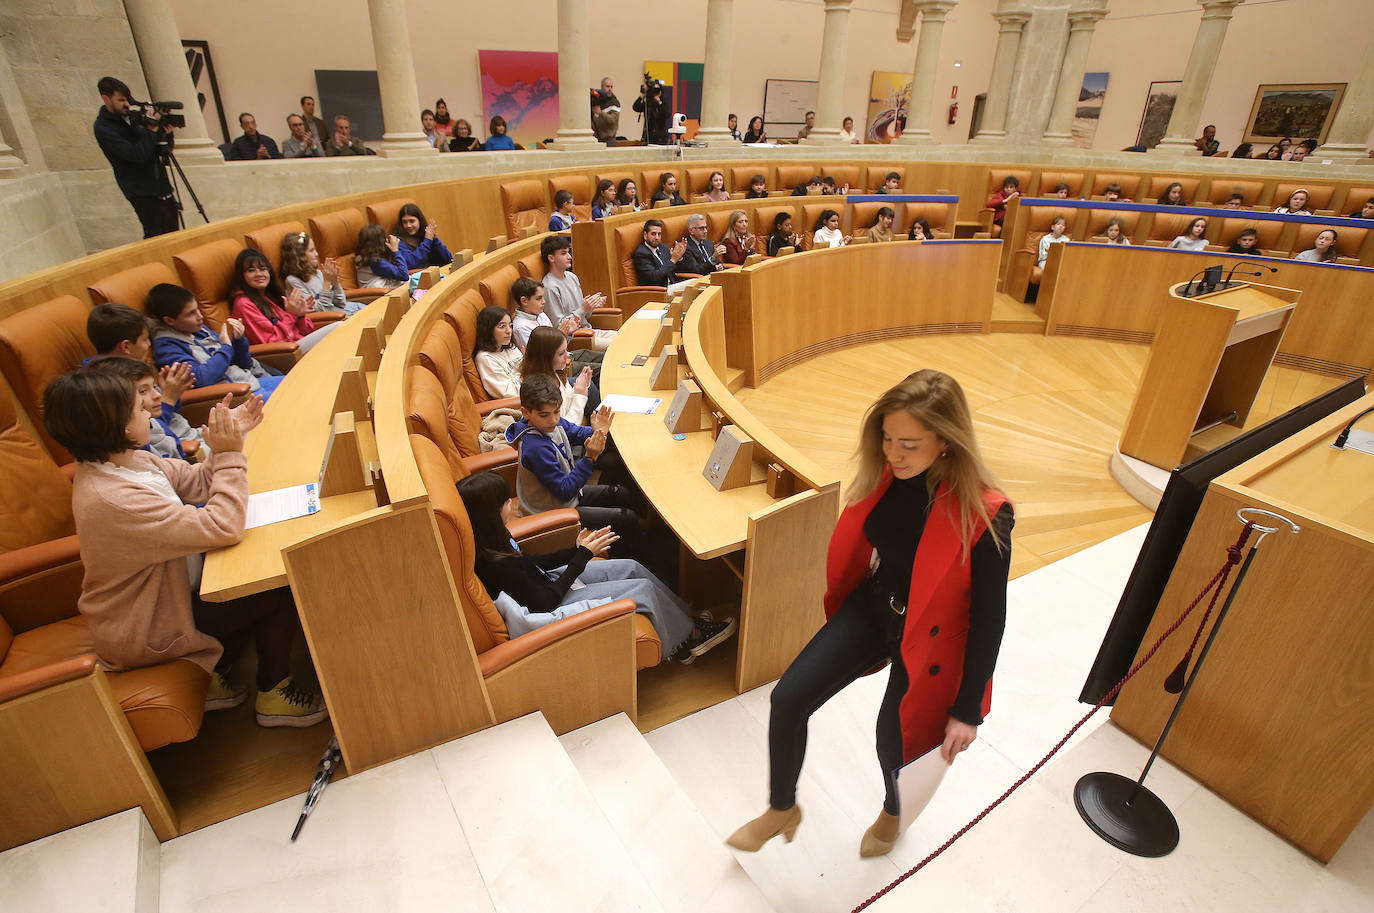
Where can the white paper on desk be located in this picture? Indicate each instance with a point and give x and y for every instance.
(650, 314)
(916, 785)
(283, 504)
(636, 405)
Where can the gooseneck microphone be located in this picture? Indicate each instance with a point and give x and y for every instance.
(1239, 263)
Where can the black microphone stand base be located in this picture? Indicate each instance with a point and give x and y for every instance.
(1144, 827)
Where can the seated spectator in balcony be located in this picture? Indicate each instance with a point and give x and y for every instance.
(314, 124)
(1284, 145)
(654, 261)
(715, 188)
(1274, 152)
(782, 235)
(701, 256)
(920, 231)
(301, 268)
(1116, 233)
(827, 231)
(256, 299)
(738, 240)
(1061, 190)
(1112, 193)
(1323, 249)
(1207, 143)
(1297, 204)
(495, 354)
(343, 141)
(808, 126)
(732, 124)
(432, 135)
(1195, 238)
(830, 188)
(497, 138)
(755, 133)
(462, 139)
(812, 188)
(1234, 201)
(252, 144)
(301, 143)
(1243, 151)
(604, 202)
(563, 296)
(1011, 188)
(443, 122)
(758, 188)
(180, 336)
(378, 259)
(1302, 150)
(892, 183)
(1365, 212)
(1172, 196)
(420, 244)
(667, 190)
(882, 229)
(627, 195)
(1247, 242)
(1056, 236)
(170, 435)
(562, 218)
(847, 132)
(117, 329)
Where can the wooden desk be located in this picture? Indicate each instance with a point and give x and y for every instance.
(1281, 720)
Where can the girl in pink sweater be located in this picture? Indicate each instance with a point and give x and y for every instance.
(267, 315)
(144, 523)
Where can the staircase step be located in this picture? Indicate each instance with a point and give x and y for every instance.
(682, 858)
(540, 841)
(109, 865)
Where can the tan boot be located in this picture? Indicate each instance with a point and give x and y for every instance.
(881, 836)
(752, 836)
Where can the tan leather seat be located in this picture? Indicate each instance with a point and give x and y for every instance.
(336, 235)
(1222, 188)
(877, 175)
(495, 286)
(741, 177)
(787, 177)
(524, 205)
(805, 224)
(1318, 195)
(580, 186)
(461, 316)
(846, 175)
(206, 271)
(939, 216)
(1169, 225)
(763, 223)
(1098, 219)
(1129, 184)
(36, 345)
(698, 181)
(649, 178)
(1160, 184)
(130, 286)
(35, 496)
(1024, 269)
(1050, 179)
(385, 213)
(268, 240)
(1224, 231)
(1348, 240)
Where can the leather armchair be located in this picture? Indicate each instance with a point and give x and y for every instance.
(1048, 180)
(787, 177)
(1023, 270)
(763, 224)
(877, 174)
(1159, 184)
(1129, 184)
(385, 213)
(741, 176)
(1348, 240)
(995, 178)
(846, 175)
(1221, 191)
(453, 426)
(1098, 219)
(524, 205)
(580, 186)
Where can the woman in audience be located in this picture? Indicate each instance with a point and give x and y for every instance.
(1297, 204)
(378, 259)
(1173, 195)
(443, 123)
(256, 299)
(420, 244)
(463, 140)
(539, 588)
(547, 353)
(928, 506)
(301, 268)
(142, 539)
(180, 336)
(827, 231)
(667, 190)
(1285, 147)
(1056, 236)
(715, 189)
(1116, 233)
(604, 203)
(1323, 249)
(1011, 188)
(1242, 151)
(496, 355)
(847, 132)
(755, 132)
(497, 140)
(1273, 153)
(1247, 242)
(738, 240)
(881, 231)
(1192, 239)
(919, 231)
(782, 234)
(627, 195)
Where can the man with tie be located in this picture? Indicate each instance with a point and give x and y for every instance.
(702, 256)
(654, 261)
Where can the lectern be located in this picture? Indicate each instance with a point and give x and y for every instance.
(1208, 360)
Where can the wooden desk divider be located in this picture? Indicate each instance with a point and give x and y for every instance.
(664, 337)
(781, 483)
(429, 277)
(684, 412)
(784, 251)
(529, 231)
(664, 375)
(754, 258)
(351, 396)
(343, 470)
(731, 462)
(496, 242)
(397, 302)
(461, 258)
(718, 421)
(370, 344)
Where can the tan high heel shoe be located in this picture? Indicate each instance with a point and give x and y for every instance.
(875, 845)
(750, 838)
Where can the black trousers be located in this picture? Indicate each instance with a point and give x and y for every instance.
(270, 618)
(157, 215)
(863, 632)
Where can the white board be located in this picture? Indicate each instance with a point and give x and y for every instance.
(785, 103)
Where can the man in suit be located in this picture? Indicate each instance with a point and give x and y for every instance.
(701, 256)
(654, 261)
(312, 123)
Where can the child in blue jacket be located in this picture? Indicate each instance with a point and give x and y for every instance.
(213, 358)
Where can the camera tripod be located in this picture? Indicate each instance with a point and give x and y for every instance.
(166, 157)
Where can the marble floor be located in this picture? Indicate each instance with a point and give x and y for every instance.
(513, 819)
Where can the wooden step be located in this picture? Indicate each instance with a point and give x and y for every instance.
(110, 865)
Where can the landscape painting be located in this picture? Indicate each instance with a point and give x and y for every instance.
(1159, 107)
(1295, 111)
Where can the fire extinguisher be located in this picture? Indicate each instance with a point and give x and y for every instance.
(953, 111)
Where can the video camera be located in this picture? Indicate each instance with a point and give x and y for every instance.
(159, 113)
(651, 86)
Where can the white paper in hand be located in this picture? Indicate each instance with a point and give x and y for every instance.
(916, 785)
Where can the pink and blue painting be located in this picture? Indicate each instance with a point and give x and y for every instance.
(522, 87)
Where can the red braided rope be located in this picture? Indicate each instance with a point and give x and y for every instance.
(1218, 581)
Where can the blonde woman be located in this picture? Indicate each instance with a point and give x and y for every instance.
(738, 239)
(933, 604)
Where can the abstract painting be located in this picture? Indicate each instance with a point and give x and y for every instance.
(889, 96)
(203, 77)
(1159, 107)
(1090, 99)
(522, 87)
(681, 93)
(1296, 111)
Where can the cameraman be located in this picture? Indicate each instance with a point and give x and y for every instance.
(131, 144)
(650, 104)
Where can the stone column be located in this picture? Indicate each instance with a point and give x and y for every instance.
(401, 131)
(1197, 78)
(830, 97)
(923, 77)
(1012, 21)
(574, 78)
(1348, 139)
(169, 79)
(715, 86)
(10, 164)
(1083, 17)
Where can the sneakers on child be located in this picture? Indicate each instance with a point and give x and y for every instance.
(287, 705)
(712, 634)
(222, 694)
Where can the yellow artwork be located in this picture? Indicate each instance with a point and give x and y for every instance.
(888, 99)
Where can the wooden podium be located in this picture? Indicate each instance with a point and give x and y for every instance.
(1208, 360)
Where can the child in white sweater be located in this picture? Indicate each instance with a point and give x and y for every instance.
(496, 355)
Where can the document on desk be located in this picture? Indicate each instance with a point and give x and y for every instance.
(283, 504)
(916, 785)
(650, 314)
(636, 405)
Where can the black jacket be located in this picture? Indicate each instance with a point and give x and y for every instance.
(699, 258)
(522, 577)
(132, 151)
(653, 266)
(244, 149)
(655, 119)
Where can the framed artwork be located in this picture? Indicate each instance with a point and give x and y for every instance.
(1296, 111)
(1159, 107)
(889, 96)
(785, 103)
(1085, 118)
(522, 87)
(207, 88)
